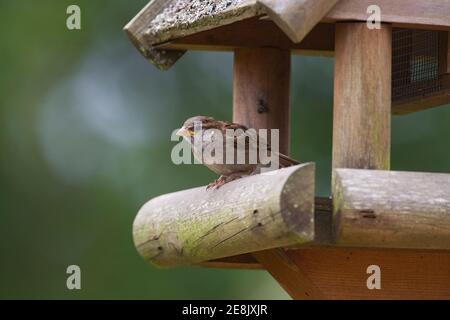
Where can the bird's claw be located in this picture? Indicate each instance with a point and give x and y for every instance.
(216, 184)
(223, 180)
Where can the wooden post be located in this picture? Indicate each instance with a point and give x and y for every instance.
(362, 97)
(261, 90)
(261, 101)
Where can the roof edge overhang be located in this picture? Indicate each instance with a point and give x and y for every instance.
(150, 31)
(294, 17)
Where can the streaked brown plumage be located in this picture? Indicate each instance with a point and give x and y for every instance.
(227, 171)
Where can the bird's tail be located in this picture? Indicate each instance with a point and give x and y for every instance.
(285, 161)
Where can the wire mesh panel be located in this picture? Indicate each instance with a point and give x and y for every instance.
(415, 63)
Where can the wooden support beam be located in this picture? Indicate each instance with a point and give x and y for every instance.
(288, 274)
(392, 209)
(362, 97)
(361, 111)
(261, 101)
(261, 80)
(197, 225)
(341, 273)
(322, 235)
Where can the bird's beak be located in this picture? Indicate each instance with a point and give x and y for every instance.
(183, 132)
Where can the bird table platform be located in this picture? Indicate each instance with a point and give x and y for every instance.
(314, 247)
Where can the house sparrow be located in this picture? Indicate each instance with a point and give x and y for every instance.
(232, 169)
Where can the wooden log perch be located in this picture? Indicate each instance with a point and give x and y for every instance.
(259, 212)
(392, 209)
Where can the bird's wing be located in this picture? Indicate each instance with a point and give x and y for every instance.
(284, 160)
(233, 126)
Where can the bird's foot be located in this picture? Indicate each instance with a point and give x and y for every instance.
(223, 180)
(216, 184)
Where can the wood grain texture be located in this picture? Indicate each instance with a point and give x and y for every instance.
(444, 53)
(288, 274)
(422, 103)
(149, 30)
(392, 209)
(261, 80)
(290, 14)
(448, 52)
(256, 33)
(340, 273)
(261, 101)
(434, 14)
(322, 235)
(297, 17)
(361, 139)
(259, 212)
(362, 97)
(405, 274)
(179, 21)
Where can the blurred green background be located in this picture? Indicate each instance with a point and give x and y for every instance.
(85, 126)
